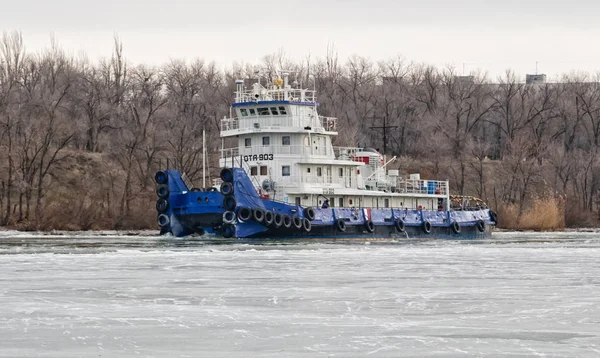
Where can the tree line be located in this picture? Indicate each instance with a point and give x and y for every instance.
(81, 140)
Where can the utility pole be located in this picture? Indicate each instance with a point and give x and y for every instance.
(385, 128)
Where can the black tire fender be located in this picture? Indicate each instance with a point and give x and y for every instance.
(400, 226)
(341, 225)
(426, 227)
(370, 226)
(244, 213)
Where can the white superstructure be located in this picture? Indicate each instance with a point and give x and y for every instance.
(276, 134)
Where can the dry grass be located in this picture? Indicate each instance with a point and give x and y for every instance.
(544, 214)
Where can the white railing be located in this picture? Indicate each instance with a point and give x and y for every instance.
(422, 186)
(276, 94)
(258, 123)
(276, 150)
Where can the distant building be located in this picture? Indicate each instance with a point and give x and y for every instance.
(535, 79)
(465, 80)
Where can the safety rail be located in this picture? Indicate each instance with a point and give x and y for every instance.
(259, 123)
(276, 94)
(414, 186)
(276, 150)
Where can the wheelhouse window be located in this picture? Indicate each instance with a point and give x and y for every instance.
(341, 202)
(308, 170)
(266, 140)
(274, 111)
(263, 111)
(319, 172)
(253, 171)
(282, 110)
(263, 170)
(285, 171)
(252, 111)
(285, 140)
(244, 112)
(248, 142)
(341, 172)
(386, 203)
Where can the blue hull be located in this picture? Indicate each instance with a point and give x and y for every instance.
(239, 212)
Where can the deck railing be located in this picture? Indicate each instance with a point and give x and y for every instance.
(260, 123)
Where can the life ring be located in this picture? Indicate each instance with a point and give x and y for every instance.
(426, 227)
(227, 189)
(494, 217)
(229, 203)
(258, 215)
(309, 213)
(297, 222)
(341, 225)
(455, 226)
(244, 213)
(370, 226)
(162, 205)
(306, 225)
(228, 217)
(228, 231)
(226, 175)
(161, 177)
(400, 226)
(331, 124)
(480, 225)
(268, 217)
(287, 221)
(162, 191)
(277, 220)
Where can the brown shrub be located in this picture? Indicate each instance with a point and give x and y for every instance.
(544, 214)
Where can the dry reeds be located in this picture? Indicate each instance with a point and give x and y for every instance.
(544, 214)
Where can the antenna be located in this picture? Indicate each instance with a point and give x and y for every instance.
(536, 67)
(385, 128)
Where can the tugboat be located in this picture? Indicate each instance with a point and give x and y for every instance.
(282, 178)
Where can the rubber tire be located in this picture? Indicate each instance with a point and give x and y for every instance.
(306, 225)
(400, 226)
(244, 213)
(228, 217)
(161, 177)
(426, 227)
(268, 217)
(258, 215)
(341, 225)
(297, 222)
(494, 217)
(277, 220)
(226, 175)
(455, 226)
(228, 231)
(162, 205)
(369, 226)
(163, 220)
(226, 189)
(287, 221)
(162, 191)
(480, 225)
(309, 213)
(229, 203)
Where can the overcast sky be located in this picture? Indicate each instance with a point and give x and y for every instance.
(488, 35)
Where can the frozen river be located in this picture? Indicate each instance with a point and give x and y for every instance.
(133, 296)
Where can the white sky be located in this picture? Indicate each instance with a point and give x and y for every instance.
(488, 35)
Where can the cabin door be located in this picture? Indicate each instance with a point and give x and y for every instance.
(320, 145)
